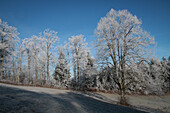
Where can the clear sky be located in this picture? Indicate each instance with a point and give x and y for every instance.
(71, 17)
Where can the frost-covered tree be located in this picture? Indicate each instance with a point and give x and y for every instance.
(35, 50)
(62, 71)
(104, 80)
(49, 40)
(38, 52)
(166, 73)
(78, 50)
(42, 66)
(19, 61)
(89, 73)
(121, 39)
(151, 79)
(168, 70)
(8, 43)
(28, 56)
(90, 66)
(157, 77)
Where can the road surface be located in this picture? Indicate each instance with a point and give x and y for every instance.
(22, 99)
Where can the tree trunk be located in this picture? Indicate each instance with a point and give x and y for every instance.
(74, 73)
(29, 61)
(48, 58)
(2, 65)
(18, 75)
(1, 59)
(78, 72)
(123, 99)
(36, 73)
(21, 65)
(47, 68)
(14, 74)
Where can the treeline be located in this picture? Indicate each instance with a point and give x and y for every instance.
(124, 61)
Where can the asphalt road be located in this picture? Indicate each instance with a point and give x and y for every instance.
(43, 100)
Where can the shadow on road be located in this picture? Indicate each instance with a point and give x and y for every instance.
(19, 101)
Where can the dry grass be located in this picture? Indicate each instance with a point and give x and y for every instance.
(157, 103)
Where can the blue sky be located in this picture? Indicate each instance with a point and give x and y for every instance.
(70, 17)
